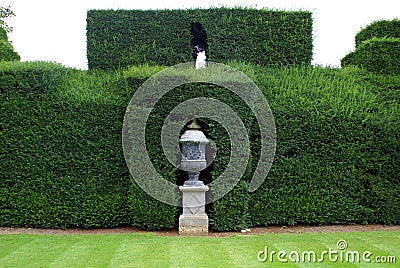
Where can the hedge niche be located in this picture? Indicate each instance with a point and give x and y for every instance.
(220, 219)
(121, 38)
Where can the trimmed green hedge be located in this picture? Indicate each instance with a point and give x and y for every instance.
(121, 38)
(376, 55)
(61, 156)
(61, 160)
(30, 78)
(377, 48)
(379, 29)
(231, 213)
(336, 154)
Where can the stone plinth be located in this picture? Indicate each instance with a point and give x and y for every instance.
(194, 220)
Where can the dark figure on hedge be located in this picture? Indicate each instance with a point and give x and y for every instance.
(199, 44)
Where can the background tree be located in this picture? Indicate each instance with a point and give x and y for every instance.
(5, 12)
(7, 52)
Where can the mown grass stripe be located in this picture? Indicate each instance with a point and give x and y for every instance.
(244, 250)
(360, 242)
(89, 251)
(11, 243)
(124, 254)
(200, 252)
(387, 247)
(39, 251)
(148, 250)
(142, 251)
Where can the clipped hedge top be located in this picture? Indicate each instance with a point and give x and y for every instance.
(122, 38)
(377, 48)
(379, 29)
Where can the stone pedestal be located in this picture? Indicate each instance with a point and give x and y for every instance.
(194, 220)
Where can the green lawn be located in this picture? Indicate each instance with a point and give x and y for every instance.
(149, 250)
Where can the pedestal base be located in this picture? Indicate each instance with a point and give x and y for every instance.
(193, 225)
(194, 220)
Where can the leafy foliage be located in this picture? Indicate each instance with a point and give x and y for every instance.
(121, 38)
(7, 52)
(3, 34)
(379, 29)
(377, 48)
(5, 12)
(376, 55)
(231, 213)
(61, 160)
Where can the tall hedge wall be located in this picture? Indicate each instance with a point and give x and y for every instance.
(120, 38)
(61, 160)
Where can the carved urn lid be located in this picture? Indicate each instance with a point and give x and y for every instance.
(193, 134)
